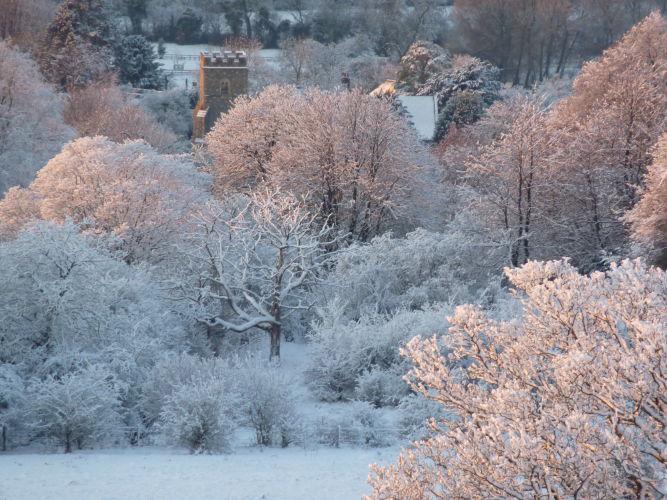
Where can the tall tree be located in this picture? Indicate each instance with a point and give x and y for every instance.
(77, 46)
(253, 268)
(31, 119)
(137, 64)
(606, 130)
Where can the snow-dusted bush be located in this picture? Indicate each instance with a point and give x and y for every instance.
(170, 109)
(104, 109)
(392, 273)
(382, 387)
(172, 372)
(80, 408)
(342, 351)
(268, 403)
(359, 424)
(199, 416)
(466, 73)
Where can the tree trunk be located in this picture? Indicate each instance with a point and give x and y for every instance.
(68, 442)
(4, 438)
(274, 332)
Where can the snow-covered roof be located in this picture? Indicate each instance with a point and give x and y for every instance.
(423, 111)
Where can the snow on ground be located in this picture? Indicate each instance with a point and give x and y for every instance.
(160, 473)
(148, 473)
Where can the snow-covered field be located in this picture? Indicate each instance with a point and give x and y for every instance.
(158, 473)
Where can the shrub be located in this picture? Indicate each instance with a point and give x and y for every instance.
(171, 373)
(344, 351)
(79, 408)
(381, 387)
(199, 416)
(415, 413)
(268, 404)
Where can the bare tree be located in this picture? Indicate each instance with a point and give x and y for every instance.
(103, 109)
(296, 57)
(254, 267)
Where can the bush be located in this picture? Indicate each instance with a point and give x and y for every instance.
(268, 404)
(171, 373)
(343, 351)
(463, 108)
(79, 408)
(199, 416)
(381, 387)
(395, 273)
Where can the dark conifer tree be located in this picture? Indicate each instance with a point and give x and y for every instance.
(77, 45)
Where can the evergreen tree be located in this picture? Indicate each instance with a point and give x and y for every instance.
(137, 64)
(77, 47)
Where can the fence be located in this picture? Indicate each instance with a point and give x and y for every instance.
(317, 434)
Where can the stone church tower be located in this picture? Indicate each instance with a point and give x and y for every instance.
(223, 76)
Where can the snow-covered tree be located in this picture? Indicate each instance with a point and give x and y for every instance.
(23, 20)
(566, 401)
(605, 130)
(422, 62)
(125, 190)
(12, 391)
(346, 153)
(510, 178)
(354, 160)
(648, 219)
(103, 109)
(76, 409)
(253, 268)
(76, 49)
(296, 58)
(31, 119)
(464, 73)
(67, 303)
(137, 64)
(244, 140)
